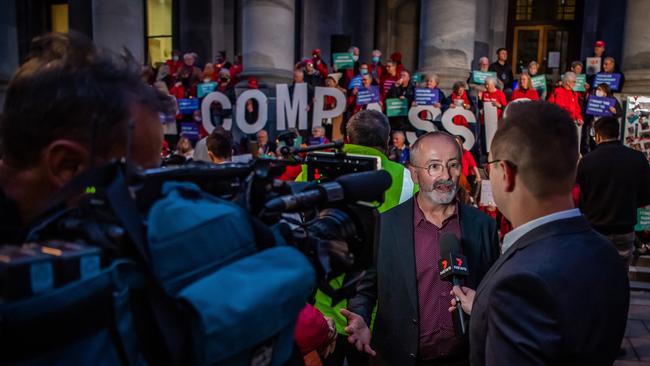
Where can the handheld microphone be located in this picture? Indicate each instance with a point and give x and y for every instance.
(364, 186)
(453, 267)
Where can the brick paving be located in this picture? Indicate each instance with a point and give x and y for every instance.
(637, 335)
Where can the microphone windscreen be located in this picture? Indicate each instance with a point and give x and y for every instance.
(365, 186)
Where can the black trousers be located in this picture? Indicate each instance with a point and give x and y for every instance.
(344, 350)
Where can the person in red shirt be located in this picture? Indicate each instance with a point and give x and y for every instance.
(525, 89)
(388, 79)
(459, 99)
(565, 97)
(494, 96)
(396, 57)
(469, 169)
(319, 64)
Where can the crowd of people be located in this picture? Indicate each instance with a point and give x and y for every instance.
(556, 209)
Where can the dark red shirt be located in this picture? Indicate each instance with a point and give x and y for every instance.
(437, 336)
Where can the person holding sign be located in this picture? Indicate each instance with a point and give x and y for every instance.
(533, 69)
(402, 89)
(375, 68)
(613, 77)
(494, 96)
(524, 89)
(588, 142)
(431, 83)
(565, 97)
(360, 97)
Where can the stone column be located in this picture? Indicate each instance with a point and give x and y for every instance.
(447, 33)
(118, 24)
(636, 51)
(8, 46)
(268, 40)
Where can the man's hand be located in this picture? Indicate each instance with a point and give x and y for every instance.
(466, 296)
(358, 331)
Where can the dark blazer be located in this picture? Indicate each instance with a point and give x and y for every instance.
(558, 296)
(393, 281)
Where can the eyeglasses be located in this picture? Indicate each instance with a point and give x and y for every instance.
(434, 169)
(512, 165)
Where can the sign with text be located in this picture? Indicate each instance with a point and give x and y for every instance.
(539, 82)
(581, 81)
(205, 88)
(355, 82)
(643, 219)
(190, 130)
(188, 106)
(343, 60)
(368, 95)
(593, 65)
(612, 80)
(416, 78)
(426, 96)
(397, 107)
(599, 106)
(478, 77)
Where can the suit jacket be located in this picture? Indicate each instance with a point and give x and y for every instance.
(558, 296)
(393, 280)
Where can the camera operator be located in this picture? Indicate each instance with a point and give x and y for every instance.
(368, 134)
(69, 107)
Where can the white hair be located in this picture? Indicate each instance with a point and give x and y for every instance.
(353, 48)
(487, 60)
(569, 75)
(376, 53)
(491, 79)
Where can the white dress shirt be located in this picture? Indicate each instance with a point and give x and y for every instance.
(511, 237)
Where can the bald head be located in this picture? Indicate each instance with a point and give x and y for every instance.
(433, 143)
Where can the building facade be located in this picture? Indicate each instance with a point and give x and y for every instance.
(445, 37)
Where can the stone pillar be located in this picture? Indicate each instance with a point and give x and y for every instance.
(268, 40)
(118, 24)
(447, 33)
(636, 51)
(8, 46)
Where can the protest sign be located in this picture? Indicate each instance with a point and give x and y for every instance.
(490, 115)
(581, 81)
(416, 78)
(593, 65)
(355, 83)
(612, 80)
(539, 83)
(478, 77)
(426, 96)
(188, 105)
(397, 107)
(643, 219)
(487, 198)
(343, 60)
(190, 130)
(368, 95)
(205, 88)
(599, 106)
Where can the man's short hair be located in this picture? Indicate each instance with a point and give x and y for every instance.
(501, 49)
(415, 148)
(369, 128)
(541, 140)
(70, 89)
(609, 58)
(607, 127)
(219, 144)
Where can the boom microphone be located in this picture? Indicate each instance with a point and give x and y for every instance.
(453, 267)
(364, 186)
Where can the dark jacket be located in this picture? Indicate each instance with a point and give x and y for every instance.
(614, 181)
(558, 296)
(393, 279)
(504, 73)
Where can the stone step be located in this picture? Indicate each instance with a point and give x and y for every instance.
(639, 273)
(641, 261)
(639, 286)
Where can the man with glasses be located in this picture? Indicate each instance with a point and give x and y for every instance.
(558, 294)
(412, 326)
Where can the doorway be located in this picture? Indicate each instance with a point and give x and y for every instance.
(546, 44)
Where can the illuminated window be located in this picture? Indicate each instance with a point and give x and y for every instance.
(524, 10)
(59, 18)
(565, 9)
(159, 30)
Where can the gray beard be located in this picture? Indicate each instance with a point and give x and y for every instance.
(442, 198)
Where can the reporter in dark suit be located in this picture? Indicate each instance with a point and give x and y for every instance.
(412, 326)
(558, 295)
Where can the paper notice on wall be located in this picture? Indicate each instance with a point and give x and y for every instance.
(487, 199)
(553, 60)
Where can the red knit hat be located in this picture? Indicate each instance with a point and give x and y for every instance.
(396, 56)
(599, 43)
(252, 82)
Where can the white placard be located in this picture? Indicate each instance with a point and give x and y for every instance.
(487, 199)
